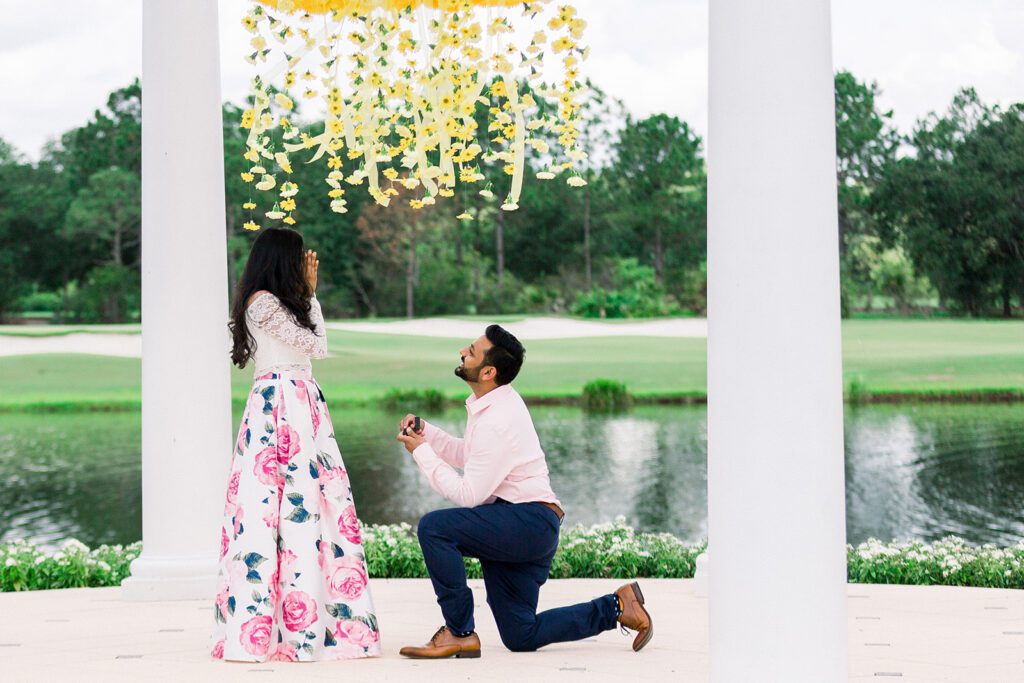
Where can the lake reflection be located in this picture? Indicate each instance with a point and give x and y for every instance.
(931, 471)
(912, 471)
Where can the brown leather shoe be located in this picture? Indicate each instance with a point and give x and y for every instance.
(445, 644)
(634, 616)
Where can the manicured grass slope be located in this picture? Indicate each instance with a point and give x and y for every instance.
(925, 355)
(882, 355)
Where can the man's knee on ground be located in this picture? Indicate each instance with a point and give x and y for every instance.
(518, 638)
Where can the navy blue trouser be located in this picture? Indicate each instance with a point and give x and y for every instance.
(515, 544)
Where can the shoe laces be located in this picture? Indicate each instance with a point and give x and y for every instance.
(439, 632)
(623, 630)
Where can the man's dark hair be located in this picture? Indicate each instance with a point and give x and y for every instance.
(505, 355)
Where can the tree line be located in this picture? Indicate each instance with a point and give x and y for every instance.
(933, 220)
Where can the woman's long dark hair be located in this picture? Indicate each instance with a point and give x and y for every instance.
(276, 264)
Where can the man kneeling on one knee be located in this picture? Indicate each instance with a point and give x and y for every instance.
(508, 517)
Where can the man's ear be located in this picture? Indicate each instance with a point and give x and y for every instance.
(489, 373)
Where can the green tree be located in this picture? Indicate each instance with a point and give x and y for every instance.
(659, 183)
(602, 118)
(634, 293)
(956, 204)
(991, 160)
(113, 137)
(106, 214)
(105, 219)
(866, 142)
(33, 200)
(892, 275)
(13, 284)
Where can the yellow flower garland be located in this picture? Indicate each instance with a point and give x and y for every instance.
(420, 70)
(364, 6)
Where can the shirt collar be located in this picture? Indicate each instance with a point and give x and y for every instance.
(475, 405)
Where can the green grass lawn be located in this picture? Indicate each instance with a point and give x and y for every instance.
(64, 330)
(926, 355)
(882, 355)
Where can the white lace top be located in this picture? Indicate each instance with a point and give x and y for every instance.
(282, 344)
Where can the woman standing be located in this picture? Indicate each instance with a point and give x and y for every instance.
(293, 580)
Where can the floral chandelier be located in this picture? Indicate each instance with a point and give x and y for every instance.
(400, 84)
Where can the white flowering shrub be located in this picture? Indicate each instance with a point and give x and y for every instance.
(615, 550)
(611, 550)
(25, 567)
(949, 562)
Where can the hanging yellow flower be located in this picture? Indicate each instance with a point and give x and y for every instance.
(402, 83)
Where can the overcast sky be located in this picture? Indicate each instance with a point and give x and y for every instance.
(59, 59)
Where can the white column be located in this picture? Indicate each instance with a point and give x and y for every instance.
(186, 409)
(775, 419)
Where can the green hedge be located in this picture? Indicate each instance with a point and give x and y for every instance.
(612, 550)
(605, 396)
(25, 567)
(949, 562)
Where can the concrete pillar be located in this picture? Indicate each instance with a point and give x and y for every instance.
(186, 408)
(775, 417)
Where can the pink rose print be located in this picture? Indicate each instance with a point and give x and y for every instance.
(283, 652)
(232, 495)
(286, 561)
(303, 394)
(287, 443)
(255, 406)
(327, 508)
(279, 406)
(265, 468)
(345, 576)
(255, 636)
(324, 555)
(335, 482)
(298, 611)
(236, 573)
(240, 441)
(355, 632)
(348, 525)
(315, 417)
(275, 588)
(221, 601)
(354, 639)
(266, 564)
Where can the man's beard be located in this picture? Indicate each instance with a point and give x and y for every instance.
(467, 374)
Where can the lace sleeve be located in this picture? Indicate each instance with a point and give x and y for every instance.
(267, 313)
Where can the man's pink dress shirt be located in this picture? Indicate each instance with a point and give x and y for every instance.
(500, 455)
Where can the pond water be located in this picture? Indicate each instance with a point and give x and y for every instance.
(921, 471)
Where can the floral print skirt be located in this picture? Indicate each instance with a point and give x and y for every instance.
(293, 584)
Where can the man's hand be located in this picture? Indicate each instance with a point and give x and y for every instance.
(412, 440)
(408, 422)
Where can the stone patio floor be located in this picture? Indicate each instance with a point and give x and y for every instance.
(974, 635)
